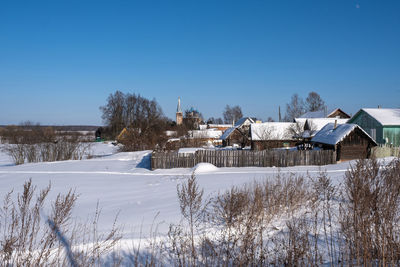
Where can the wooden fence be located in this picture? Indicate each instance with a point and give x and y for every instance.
(242, 158)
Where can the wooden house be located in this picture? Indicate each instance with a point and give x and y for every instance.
(270, 135)
(348, 140)
(239, 134)
(382, 124)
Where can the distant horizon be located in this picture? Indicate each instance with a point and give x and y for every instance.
(59, 61)
(173, 119)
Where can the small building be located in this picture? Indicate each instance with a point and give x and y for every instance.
(348, 140)
(239, 134)
(270, 135)
(382, 124)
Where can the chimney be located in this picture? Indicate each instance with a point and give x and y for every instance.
(334, 127)
(280, 119)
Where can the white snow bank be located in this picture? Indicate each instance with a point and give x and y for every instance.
(102, 149)
(204, 168)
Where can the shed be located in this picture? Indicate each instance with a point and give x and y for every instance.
(348, 140)
(382, 124)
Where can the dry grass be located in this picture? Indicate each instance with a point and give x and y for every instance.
(31, 238)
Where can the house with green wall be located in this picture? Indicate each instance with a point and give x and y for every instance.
(382, 124)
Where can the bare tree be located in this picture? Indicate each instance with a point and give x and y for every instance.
(295, 108)
(143, 119)
(232, 114)
(213, 120)
(113, 112)
(301, 130)
(314, 102)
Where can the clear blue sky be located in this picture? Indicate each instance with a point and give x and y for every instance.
(59, 60)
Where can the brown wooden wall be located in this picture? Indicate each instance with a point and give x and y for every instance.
(268, 144)
(355, 146)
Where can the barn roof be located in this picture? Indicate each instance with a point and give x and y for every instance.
(331, 136)
(271, 131)
(385, 116)
(244, 120)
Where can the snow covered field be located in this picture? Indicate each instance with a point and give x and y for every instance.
(124, 186)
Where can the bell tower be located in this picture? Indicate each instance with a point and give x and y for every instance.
(179, 114)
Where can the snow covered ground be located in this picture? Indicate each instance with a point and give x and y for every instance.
(123, 185)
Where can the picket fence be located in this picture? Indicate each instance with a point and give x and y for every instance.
(242, 158)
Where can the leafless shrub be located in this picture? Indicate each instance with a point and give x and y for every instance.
(190, 202)
(26, 240)
(40, 144)
(369, 216)
(293, 248)
(324, 193)
(240, 220)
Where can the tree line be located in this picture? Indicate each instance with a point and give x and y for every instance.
(145, 123)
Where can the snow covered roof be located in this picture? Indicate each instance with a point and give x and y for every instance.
(271, 131)
(317, 124)
(245, 121)
(211, 125)
(385, 116)
(208, 133)
(227, 133)
(214, 126)
(331, 136)
(170, 133)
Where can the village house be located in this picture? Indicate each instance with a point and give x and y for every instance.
(348, 140)
(239, 134)
(382, 124)
(270, 135)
